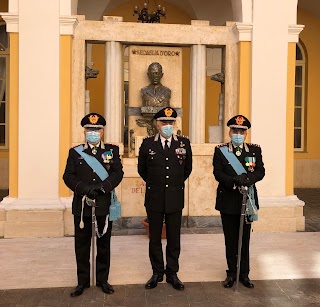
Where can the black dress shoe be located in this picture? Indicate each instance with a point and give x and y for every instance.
(175, 282)
(153, 281)
(79, 290)
(246, 282)
(229, 281)
(105, 286)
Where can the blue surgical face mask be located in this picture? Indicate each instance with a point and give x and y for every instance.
(237, 139)
(93, 137)
(167, 130)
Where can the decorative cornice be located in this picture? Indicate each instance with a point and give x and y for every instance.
(243, 31)
(12, 21)
(294, 31)
(68, 24)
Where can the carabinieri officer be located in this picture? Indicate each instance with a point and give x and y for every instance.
(164, 163)
(237, 164)
(83, 180)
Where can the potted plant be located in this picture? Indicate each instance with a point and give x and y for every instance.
(145, 223)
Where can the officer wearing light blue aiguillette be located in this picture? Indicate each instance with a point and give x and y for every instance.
(237, 164)
(92, 172)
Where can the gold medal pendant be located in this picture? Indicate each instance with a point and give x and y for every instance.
(94, 151)
(238, 153)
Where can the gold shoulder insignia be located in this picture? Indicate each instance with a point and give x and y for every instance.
(148, 137)
(254, 145)
(223, 145)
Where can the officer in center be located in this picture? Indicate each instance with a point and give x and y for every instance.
(164, 163)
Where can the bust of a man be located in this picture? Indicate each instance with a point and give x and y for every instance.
(155, 94)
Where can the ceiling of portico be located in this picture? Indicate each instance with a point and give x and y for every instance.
(312, 6)
(216, 11)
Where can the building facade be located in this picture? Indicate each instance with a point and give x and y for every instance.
(270, 76)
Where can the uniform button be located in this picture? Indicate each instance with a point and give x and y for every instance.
(166, 185)
(167, 176)
(167, 159)
(167, 167)
(93, 179)
(80, 162)
(94, 171)
(148, 188)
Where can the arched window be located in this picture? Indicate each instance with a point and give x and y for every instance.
(4, 68)
(299, 100)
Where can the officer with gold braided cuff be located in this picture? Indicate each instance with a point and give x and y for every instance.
(84, 180)
(164, 163)
(231, 175)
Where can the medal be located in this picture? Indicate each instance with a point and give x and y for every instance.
(107, 156)
(250, 162)
(94, 150)
(238, 153)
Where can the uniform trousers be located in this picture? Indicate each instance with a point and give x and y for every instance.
(231, 224)
(173, 226)
(82, 249)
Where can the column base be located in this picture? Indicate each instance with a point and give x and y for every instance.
(280, 214)
(25, 218)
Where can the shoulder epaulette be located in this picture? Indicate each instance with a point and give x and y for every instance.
(183, 136)
(223, 145)
(111, 144)
(77, 145)
(148, 137)
(254, 145)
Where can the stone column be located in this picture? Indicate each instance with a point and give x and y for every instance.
(113, 99)
(198, 94)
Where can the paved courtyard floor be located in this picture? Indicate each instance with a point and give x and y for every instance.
(285, 268)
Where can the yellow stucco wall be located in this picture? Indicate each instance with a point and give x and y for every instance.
(310, 38)
(244, 85)
(175, 16)
(13, 114)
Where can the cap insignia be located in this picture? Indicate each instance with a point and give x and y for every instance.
(240, 120)
(168, 112)
(93, 119)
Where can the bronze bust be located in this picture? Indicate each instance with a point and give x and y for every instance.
(155, 94)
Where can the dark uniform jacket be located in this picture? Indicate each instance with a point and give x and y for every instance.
(229, 199)
(165, 172)
(78, 174)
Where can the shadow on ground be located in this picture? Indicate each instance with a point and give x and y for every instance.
(304, 292)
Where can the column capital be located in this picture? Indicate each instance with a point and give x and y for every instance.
(243, 31)
(294, 32)
(12, 21)
(68, 24)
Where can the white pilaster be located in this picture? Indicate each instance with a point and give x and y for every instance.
(269, 89)
(38, 99)
(113, 92)
(198, 94)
